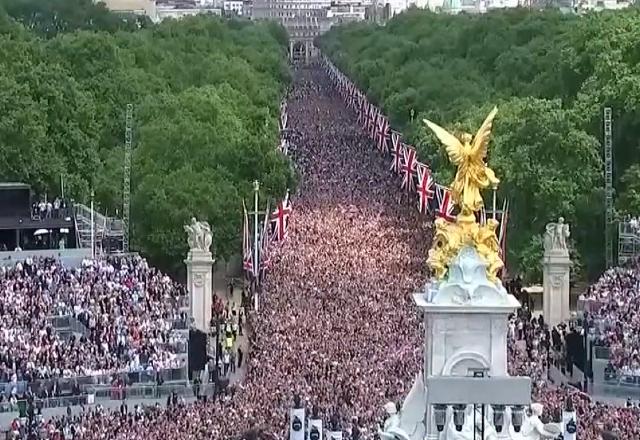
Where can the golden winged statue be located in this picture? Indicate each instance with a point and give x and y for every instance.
(468, 154)
(473, 175)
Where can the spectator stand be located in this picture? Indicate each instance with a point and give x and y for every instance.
(628, 239)
(28, 223)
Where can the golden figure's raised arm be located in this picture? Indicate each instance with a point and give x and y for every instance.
(452, 144)
(481, 141)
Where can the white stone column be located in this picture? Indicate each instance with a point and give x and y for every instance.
(199, 283)
(557, 266)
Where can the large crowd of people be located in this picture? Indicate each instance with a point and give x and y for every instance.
(336, 325)
(613, 312)
(126, 307)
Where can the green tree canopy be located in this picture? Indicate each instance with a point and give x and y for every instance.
(551, 76)
(206, 95)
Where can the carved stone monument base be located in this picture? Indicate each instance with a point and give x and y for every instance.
(555, 299)
(199, 283)
(465, 321)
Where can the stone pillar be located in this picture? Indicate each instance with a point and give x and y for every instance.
(199, 282)
(306, 52)
(556, 269)
(290, 50)
(465, 322)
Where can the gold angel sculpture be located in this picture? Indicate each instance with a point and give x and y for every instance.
(468, 154)
(473, 175)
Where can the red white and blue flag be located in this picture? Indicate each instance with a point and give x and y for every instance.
(397, 148)
(444, 203)
(247, 254)
(265, 240)
(383, 133)
(425, 187)
(408, 168)
(280, 219)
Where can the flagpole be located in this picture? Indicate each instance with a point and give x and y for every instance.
(256, 188)
(93, 230)
(494, 203)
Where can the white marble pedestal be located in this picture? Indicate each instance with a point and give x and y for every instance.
(555, 300)
(465, 322)
(199, 284)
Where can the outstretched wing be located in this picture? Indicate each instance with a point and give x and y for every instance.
(480, 142)
(451, 143)
(413, 410)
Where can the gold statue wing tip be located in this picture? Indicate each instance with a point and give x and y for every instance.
(481, 140)
(452, 144)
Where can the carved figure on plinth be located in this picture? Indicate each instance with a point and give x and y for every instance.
(468, 154)
(533, 428)
(556, 235)
(408, 424)
(199, 235)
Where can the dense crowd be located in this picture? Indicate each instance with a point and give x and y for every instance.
(612, 305)
(127, 308)
(336, 324)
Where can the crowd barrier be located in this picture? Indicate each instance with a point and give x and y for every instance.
(65, 385)
(50, 402)
(69, 323)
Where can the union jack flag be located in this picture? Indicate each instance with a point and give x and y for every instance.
(383, 133)
(444, 203)
(371, 121)
(425, 187)
(363, 112)
(396, 151)
(280, 219)
(247, 254)
(502, 232)
(408, 167)
(353, 95)
(265, 260)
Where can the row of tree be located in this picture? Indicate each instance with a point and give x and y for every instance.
(206, 95)
(551, 76)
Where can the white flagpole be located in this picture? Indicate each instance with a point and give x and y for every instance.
(93, 230)
(494, 203)
(256, 188)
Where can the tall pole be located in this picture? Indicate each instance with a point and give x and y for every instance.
(93, 229)
(608, 186)
(256, 189)
(61, 186)
(126, 172)
(494, 204)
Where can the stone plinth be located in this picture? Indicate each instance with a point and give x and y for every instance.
(465, 321)
(199, 283)
(556, 269)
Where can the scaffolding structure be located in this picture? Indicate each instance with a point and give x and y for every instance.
(608, 187)
(628, 240)
(126, 190)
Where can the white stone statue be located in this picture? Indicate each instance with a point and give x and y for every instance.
(198, 235)
(467, 432)
(533, 428)
(467, 284)
(409, 423)
(556, 234)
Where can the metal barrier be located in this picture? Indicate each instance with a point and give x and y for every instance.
(69, 323)
(65, 385)
(622, 380)
(49, 402)
(146, 391)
